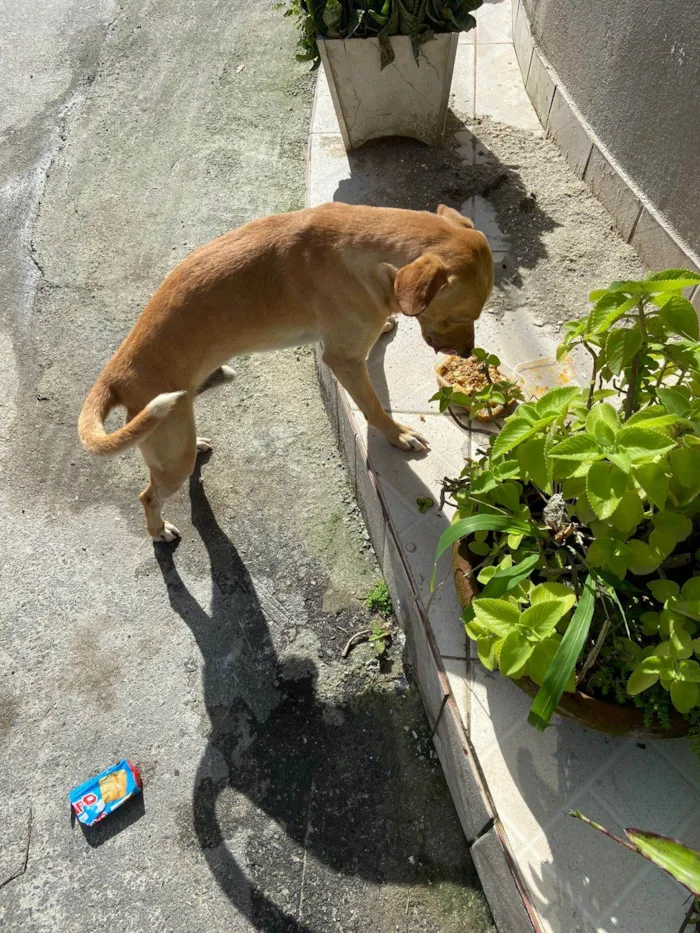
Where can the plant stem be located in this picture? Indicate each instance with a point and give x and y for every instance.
(633, 386)
(688, 919)
(589, 402)
(580, 816)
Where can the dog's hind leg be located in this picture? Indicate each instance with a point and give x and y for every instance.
(170, 452)
(219, 377)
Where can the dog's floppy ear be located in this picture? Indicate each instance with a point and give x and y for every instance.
(419, 282)
(449, 213)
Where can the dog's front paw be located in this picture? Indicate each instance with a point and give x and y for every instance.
(167, 533)
(408, 439)
(204, 444)
(389, 326)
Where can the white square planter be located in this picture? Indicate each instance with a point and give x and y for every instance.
(405, 99)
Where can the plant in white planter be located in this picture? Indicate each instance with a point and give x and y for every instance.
(389, 63)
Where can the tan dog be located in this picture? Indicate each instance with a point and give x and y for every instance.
(335, 274)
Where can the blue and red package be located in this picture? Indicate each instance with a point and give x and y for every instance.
(97, 797)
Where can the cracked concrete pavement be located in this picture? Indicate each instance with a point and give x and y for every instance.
(284, 788)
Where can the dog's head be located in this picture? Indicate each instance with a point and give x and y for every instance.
(447, 288)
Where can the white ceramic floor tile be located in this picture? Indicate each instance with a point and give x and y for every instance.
(499, 88)
(462, 92)
(679, 753)
(494, 22)
(401, 369)
(645, 790)
(498, 708)
(456, 670)
(445, 616)
(534, 775)
(574, 864)
(654, 903)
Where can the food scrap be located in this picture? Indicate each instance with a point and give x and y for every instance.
(468, 376)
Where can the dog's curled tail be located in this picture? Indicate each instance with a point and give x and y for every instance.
(100, 401)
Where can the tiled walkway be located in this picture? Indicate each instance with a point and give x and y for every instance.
(576, 880)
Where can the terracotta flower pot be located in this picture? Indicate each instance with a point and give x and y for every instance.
(579, 707)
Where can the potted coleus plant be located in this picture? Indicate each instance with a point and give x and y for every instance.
(389, 63)
(581, 523)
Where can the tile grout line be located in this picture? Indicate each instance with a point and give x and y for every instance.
(612, 759)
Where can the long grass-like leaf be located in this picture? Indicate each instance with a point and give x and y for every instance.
(503, 581)
(680, 861)
(467, 526)
(564, 661)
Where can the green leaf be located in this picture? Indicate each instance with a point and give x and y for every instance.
(643, 559)
(654, 418)
(691, 589)
(653, 481)
(602, 414)
(515, 653)
(684, 696)
(674, 279)
(553, 592)
(680, 317)
(467, 526)
(564, 663)
(542, 619)
(496, 615)
(486, 649)
(580, 447)
(605, 487)
(620, 347)
(424, 503)
(689, 672)
(542, 657)
(608, 309)
(641, 445)
(674, 401)
(685, 466)
(663, 589)
(506, 579)
(676, 525)
(556, 401)
(640, 681)
(532, 461)
(609, 553)
(628, 514)
(514, 432)
(680, 861)
(681, 642)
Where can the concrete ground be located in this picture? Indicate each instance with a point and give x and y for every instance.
(285, 789)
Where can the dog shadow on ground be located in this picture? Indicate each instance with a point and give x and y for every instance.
(336, 778)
